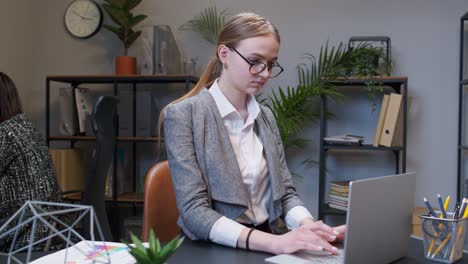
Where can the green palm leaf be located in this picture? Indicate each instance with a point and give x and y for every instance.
(208, 24)
(293, 107)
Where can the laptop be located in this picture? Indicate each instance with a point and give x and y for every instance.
(378, 224)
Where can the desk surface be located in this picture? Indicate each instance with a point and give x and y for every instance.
(203, 252)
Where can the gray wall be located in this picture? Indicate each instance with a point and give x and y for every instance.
(425, 43)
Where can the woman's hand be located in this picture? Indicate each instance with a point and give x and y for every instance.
(314, 236)
(342, 230)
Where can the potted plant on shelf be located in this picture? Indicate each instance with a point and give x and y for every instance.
(120, 12)
(154, 253)
(369, 62)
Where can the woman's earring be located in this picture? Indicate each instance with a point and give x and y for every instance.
(225, 66)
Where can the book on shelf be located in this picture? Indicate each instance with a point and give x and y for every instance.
(344, 140)
(391, 134)
(339, 192)
(338, 195)
(84, 107)
(67, 124)
(68, 165)
(340, 185)
(338, 206)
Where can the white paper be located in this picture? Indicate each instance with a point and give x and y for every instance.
(85, 252)
(67, 125)
(84, 106)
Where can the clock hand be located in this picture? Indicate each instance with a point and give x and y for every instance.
(74, 11)
(82, 17)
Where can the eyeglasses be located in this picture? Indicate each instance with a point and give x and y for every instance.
(256, 67)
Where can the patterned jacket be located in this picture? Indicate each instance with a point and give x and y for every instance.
(26, 172)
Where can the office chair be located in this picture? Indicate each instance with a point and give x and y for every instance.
(104, 123)
(159, 209)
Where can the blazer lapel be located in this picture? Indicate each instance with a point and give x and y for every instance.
(272, 156)
(227, 183)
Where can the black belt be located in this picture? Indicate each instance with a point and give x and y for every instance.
(262, 227)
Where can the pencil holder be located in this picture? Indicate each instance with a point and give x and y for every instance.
(443, 238)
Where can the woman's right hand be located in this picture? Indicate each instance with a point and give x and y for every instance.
(312, 236)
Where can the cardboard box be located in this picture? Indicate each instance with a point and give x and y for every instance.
(416, 221)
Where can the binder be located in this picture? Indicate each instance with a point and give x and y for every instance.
(69, 170)
(390, 136)
(380, 123)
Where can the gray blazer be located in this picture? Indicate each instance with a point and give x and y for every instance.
(205, 173)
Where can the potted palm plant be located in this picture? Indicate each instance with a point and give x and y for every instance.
(208, 24)
(120, 12)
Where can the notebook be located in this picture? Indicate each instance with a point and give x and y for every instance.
(378, 224)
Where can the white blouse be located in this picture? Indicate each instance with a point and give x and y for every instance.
(253, 167)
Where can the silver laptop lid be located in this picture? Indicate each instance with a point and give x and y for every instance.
(379, 219)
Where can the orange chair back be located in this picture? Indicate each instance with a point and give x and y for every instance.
(160, 210)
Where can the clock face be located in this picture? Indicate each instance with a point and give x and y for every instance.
(83, 18)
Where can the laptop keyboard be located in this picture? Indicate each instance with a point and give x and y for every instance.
(325, 257)
(309, 257)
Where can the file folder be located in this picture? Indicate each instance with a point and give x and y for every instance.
(390, 135)
(380, 123)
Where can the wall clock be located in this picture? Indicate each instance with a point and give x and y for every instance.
(83, 18)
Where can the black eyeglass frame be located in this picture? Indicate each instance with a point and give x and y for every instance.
(264, 65)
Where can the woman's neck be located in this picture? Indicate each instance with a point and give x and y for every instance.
(237, 98)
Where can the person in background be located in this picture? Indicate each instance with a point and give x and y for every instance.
(226, 157)
(26, 169)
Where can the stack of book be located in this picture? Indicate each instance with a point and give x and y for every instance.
(338, 195)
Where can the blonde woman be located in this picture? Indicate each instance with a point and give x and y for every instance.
(227, 160)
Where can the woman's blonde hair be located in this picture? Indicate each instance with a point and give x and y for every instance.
(237, 28)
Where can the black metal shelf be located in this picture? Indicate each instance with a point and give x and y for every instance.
(393, 82)
(463, 147)
(363, 147)
(80, 79)
(90, 138)
(462, 187)
(332, 211)
(116, 81)
(400, 85)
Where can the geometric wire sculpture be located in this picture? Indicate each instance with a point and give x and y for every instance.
(49, 214)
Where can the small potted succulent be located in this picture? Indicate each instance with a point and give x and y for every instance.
(120, 12)
(154, 254)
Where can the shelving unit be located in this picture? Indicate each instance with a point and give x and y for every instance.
(74, 81)
(399, 85)
(462, 150)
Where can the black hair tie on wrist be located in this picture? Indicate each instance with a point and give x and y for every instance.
(247, 239)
